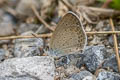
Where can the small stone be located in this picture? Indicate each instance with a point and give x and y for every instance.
(88, 28)
(24, 7)
(76, 59)
(107, 75)
(30, 68)
(6, 29)
(111, 63)
(71, 70)
(62, 61)
(72, 59)
(103, 25)
(28, 47)
(6, 24)
(110, 39)
(83, 75)
(96, 40)
(24, 27)
(4, 41)
(3, 54)
(7, 17)
(69, 64)
(100, 25)
(94, 57)
(12, 3)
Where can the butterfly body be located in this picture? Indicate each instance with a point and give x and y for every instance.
(69, 36)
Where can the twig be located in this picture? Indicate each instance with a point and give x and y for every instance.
(68, 5)
(12, 11)
(106, 4)
(103, 32)
(40, 19)
(115, 44)
(19, 37)
(101, 11)
(50, 34)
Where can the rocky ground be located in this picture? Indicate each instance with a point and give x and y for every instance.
(26, 59)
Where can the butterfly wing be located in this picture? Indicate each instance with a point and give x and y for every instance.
(69, 35)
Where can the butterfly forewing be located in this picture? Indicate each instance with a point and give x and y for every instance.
(69, 35)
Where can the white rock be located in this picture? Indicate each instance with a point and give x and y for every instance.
(30, 68)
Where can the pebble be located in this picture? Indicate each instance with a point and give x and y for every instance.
(6, 24)
(6, 29)
(3, 54)
(4, 41)
(72, 59)
(110, 39)
(30, 68)
(24, 27)
(24, 7)
(107, 75)
(94, 57)
(28, 47)
(83, 75)
(111, 63)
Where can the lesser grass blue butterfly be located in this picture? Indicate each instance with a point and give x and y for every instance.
(69, 36)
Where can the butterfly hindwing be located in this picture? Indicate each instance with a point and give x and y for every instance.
(69, 35)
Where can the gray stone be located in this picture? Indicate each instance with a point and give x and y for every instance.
(12, 3)
(6, 29)
(62, 61)
(9, 18)
(68, 65)
(4, 41)
(100, 25)
(83, 75)
(3, 54)
(76, 59)
(7, 25)
(30, 68)
(72, 59)
(94, 57)
(110, 39)
(106, 75)
(27, 27)
(23, 77)
(28, 47)
(111, 63)
(24, 7)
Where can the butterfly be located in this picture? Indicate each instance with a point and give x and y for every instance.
(69, 36)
